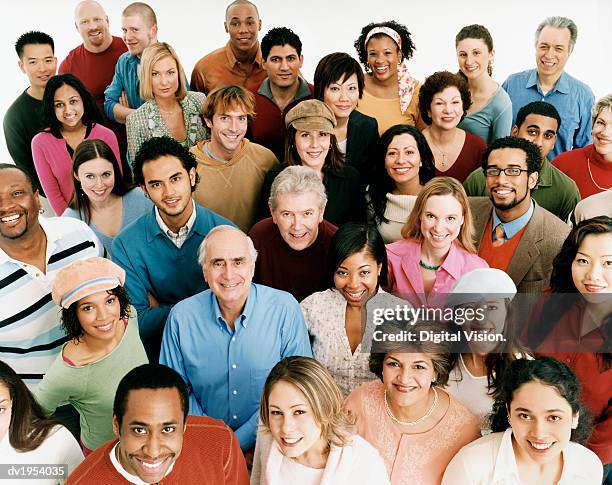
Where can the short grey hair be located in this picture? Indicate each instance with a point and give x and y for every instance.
(297, 179)
(601, 105)
(224, 227)
(557, 22)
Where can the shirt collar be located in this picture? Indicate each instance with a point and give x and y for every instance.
(545, 175)
(562, 85)
(231, 58)
(124, 473)
(51, 232)
(165, 229)
(511, 228)
(246, 311)
(453, 263)
(505, 465)
(302, 92)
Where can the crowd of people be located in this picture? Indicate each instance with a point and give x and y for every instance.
(189, 268)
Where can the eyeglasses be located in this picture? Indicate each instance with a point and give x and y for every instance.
(509, 172)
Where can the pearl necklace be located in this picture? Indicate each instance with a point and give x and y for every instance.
(593, 180)
(412, 423)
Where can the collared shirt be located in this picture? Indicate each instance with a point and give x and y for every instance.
(490, 460)
(30, 331)
(177, 238)
(226, 368)
(124, 473)
(511, 228)
(303, 90)
(221, 67)
(125, 79)
(573, 99)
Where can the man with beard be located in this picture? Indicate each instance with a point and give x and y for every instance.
(32, 252)
(517, 236)
(159, 251)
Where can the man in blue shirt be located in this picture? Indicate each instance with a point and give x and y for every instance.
(122, 96)
(555, 40)
(159, 251)
(225, 340)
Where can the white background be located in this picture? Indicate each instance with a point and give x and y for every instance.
(195, 27)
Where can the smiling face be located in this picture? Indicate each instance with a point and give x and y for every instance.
(541, 423)
(552, 51)
(602, 134)
(592, 267)
(227, 131)
(407, 378)
(403, 160)
(137, 33)
(92, 23)
(342, 96)
(474, 58)
(151, 433)
(242, 23)
(312, 148)
(229, 268)
(283, 66)
(441, 221)
(510, 194)
(39, 64)
(6, 408)
(97, 178)
(99, 315)
(165, 78)
(68, 107)
(494, 312)
(356, 278)
(539, 130)
(19, 205)
(446, 108)
(297, 217)
(383, 57)
(293, 425)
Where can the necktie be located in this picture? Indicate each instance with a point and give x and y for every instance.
(499, 236)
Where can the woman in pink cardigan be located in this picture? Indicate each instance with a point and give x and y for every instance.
(437, 248)
(71, 116)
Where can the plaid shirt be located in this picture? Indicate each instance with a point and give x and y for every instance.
(177, 238)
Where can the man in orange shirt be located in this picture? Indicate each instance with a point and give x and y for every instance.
(157, 443)
(239, 61)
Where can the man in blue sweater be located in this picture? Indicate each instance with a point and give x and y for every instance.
(159, 251)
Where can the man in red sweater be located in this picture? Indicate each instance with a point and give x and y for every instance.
(157, 443)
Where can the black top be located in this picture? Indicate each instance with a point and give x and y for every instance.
(361, 140)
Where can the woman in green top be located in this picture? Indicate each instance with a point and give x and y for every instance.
(103, 346)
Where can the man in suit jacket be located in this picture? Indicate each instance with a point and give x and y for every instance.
(518, 236)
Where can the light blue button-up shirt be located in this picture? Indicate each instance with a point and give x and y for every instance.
(125, 79)
(224, 368)
(511, 228)
(573, 99)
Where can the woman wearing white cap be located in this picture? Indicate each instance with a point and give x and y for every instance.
(103, 345)
(486, 293)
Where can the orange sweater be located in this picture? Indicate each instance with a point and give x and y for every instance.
(498, 257)
(210, 455)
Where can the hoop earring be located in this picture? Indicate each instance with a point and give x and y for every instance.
(41, 211)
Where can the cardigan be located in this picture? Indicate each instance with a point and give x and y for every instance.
(54, 163)
(147, 122)
(361, 140)
(355, 463)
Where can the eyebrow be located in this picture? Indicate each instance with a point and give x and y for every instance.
(290, 407)
(146, 425)
(367, 265)
(547, 411)
(588, 255)
(3, 401)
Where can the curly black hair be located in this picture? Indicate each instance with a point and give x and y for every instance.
(280, 36)
(381, 183)
(438, 82)
(91, 112)
(547, 371)
(407, 48)
(70, 321)
(532, 152)
(160, 146)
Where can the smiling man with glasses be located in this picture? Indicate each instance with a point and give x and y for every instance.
(515, 234)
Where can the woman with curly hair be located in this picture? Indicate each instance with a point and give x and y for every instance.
(27, 436)
(402, 164)
(490, 115)
(71, 116)
(575, 322)
(390, 94)
(103, 346)
(538, 426)
(444, 100)
(306, 436)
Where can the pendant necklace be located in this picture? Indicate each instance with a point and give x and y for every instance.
(417, 421)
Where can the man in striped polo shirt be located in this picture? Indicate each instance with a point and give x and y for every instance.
(32, 251)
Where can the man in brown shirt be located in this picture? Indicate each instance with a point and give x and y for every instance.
(239, 61)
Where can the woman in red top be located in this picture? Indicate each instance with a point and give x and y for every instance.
(576, 328)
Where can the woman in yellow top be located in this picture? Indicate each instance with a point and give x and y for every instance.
(390, 93)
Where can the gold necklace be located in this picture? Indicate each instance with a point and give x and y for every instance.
(417, 421)
(592, 179)
(443, 163)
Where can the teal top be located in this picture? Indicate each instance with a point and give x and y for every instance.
(493, 121)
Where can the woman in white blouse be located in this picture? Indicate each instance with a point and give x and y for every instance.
(537, 424)
(306, 437)
(358, 266)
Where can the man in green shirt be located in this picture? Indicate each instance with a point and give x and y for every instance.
(539, 123)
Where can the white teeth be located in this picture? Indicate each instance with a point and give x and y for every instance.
(12, 218)
(540, 446)
(152, 465)
(291, 441)
(229, 286)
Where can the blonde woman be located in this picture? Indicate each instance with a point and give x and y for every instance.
(169, 110)
(306, 437)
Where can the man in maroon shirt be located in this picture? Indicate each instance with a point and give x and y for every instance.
(292, 245)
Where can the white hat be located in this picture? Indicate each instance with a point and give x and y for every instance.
(478, 284)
